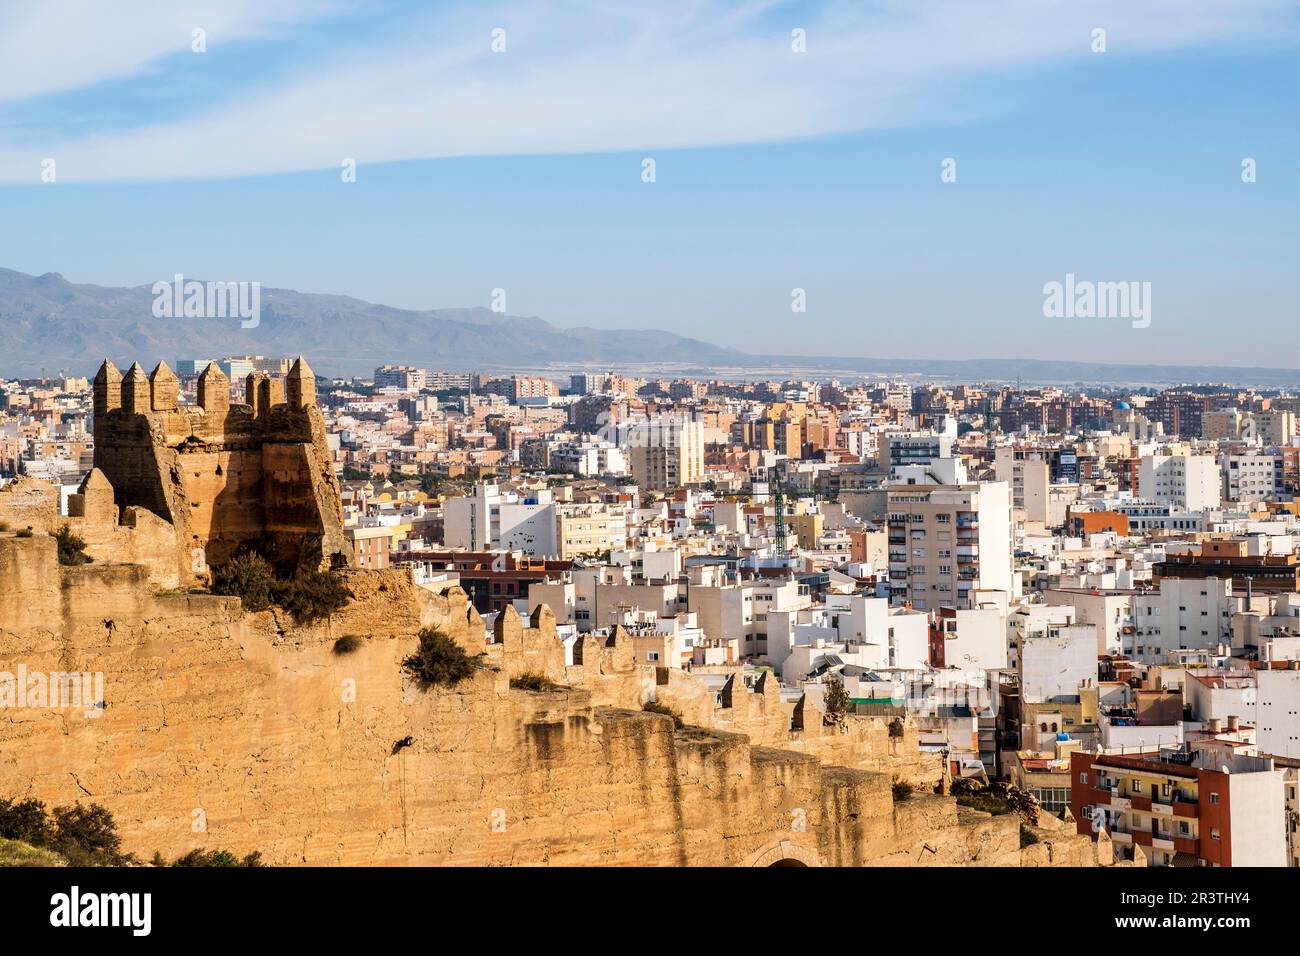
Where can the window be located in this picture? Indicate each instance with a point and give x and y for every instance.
(1083, 778)
(1214, 798)
(1214, 833)
(1137, 786)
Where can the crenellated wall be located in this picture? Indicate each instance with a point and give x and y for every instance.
(224, 729)
(225, 476)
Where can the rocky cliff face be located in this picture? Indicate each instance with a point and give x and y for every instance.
(215, 728)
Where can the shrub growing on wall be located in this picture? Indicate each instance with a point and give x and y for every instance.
(439, 661)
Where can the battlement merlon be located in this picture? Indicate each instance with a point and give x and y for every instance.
(256, 475)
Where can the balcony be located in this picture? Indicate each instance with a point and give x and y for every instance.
(1187, 845)
(1184, 808)
(1141, 803)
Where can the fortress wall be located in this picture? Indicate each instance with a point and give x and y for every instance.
(222, 729)
(219, 491)
(226, 476)
(29, 503)
(143, 539)
(139, 473)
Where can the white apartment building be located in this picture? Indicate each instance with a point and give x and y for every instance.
(1055, 664)
(1255, 477)
(588, 457)
(1185, 613)
(1277, 727)
(974, 639)
(489, 519)
(650, 563)
(897, 641)
(899, 450)
(741, 611)
(404, 377)
(1187, 482)
(1029, 478)
(1110, 611)
(867, 628)
(947, 542)
(1028, 622)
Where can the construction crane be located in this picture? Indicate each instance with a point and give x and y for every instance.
(779, 500)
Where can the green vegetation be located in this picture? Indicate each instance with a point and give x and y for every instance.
(210, 858)
(23, 533)
(84, 836)
(313, 595)
(903, 790)
(72, 550)
(439, 661)
(1027, 837)
(836, 701)
(531, 681)
(997, 798)
(430, 483)
(249, 577)
(15, 853)
(309, 596)
(654, 707)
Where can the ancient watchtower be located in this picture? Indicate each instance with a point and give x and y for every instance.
(228, 476)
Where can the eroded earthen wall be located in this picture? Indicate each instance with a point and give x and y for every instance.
(221, 729)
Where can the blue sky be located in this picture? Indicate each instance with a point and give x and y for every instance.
(774, 170)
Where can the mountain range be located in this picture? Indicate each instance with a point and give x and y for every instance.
(49, 325)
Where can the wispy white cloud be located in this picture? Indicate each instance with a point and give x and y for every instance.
(585, 77)
(52, 46)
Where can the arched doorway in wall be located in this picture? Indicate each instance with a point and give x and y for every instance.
(785, 853)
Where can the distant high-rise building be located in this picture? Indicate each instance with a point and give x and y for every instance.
(191, 368)
(406, 377)
(1189, 482)
(666, 453)
(949, 542)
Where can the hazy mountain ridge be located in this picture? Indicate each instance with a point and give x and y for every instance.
(50, 324)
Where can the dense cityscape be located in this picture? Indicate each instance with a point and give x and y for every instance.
(501, 470)
(1089, 595)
